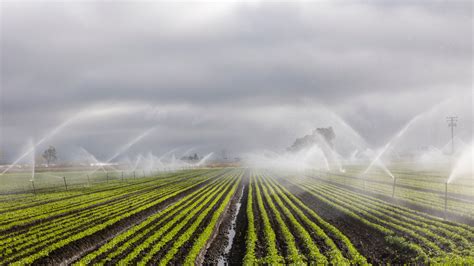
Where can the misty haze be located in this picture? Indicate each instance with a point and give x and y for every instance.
(236, 132)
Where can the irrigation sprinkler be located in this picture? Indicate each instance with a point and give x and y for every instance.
(33, 184)
(446, 200)
(394, 185)
(88, 181)
(122, 176)
(65, 184)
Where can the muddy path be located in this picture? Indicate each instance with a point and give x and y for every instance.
(237, 251)
(220, 251)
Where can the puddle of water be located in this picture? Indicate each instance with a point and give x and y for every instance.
(222, 261)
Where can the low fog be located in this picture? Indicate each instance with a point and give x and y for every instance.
(240, 77)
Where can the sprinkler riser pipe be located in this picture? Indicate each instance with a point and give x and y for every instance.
(65, 184)
(34, 189)
(394, 185)
(446, 199)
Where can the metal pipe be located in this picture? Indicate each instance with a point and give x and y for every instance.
(446, 199)
(65, 184)
(34, 189)
(394, 185)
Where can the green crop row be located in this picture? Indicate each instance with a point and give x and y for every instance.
(432, 239)
(24, 216)
(313, 255)
(92, 223)
(333, 253)
(298, 207)
(440, 232)
(124, 241)
(200, 243)
(293, 255)
(251, 235)
(189, 223)
(269, 234)
(28, 245)
(24, 242)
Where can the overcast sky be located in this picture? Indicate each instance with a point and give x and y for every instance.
(239, 76)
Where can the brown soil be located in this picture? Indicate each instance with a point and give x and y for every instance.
(221, 240)
(238, 249)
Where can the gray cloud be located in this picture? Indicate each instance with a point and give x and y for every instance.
(201, 71)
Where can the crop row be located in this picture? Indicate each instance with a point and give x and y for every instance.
(429, 237)
(63, 201)
(292, 233)
(39, 239)
(161, 236)
(432, 200)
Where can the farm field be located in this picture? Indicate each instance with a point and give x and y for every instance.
(421, 190)
(234, 215)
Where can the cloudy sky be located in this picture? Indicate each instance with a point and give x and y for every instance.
(230, 75)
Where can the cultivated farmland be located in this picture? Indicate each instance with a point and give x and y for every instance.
(234, 215)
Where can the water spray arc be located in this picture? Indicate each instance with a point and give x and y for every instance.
(52, 133)
(204, 159)
(125, 147)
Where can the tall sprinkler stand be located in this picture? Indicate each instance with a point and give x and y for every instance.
(65, 184)
(88, 181)
(122, 176)
(394, 185)
(33, 184)
(446, 200)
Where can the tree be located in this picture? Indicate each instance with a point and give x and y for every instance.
(50, 155)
